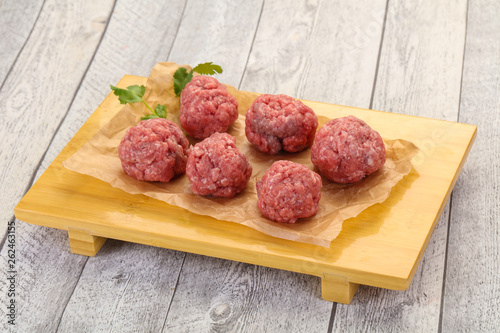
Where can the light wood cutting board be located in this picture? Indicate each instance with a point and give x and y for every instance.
(381, 247)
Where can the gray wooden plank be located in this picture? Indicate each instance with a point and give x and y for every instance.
(139, 35)
(421, 60)
(122, 51)
(219, 31)
(35, 97)
(98, 308)
(225, 296)
(17, 19)
(321, 50)
(245, 295)
(45, 277)
(290, 45)
(413, 310)
(136, 306)
(419, 74)
(37, 93)
(472, 284)
(125, 288)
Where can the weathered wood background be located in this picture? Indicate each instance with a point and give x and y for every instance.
(438, 59)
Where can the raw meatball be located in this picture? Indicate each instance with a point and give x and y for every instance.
(216, 167)
(347, 149)
(288, 191)
(154, 150)
(206, 107)
(275, 122)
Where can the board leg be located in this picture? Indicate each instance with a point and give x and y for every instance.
(338, 289)
(82, 242)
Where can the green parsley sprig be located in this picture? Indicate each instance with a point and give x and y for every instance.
(183, 77)
(133, 94)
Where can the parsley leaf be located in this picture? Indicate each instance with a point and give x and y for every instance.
(133, 94)
(181, 78)
(130, 95)
(208, 69)
(161, 111)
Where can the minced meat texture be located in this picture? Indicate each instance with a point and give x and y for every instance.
(216, 167)
(275, 122)
(154, 150)
(288, 191)
(346, 150)
(206, 107)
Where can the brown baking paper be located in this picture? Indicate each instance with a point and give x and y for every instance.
(99, 158)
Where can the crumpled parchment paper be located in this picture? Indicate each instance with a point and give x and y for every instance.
(99, 158)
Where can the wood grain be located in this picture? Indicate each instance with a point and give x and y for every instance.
(378, 122)
(383, 255)
(318, 50)
(32, 107)
(472, 286)
(396, 311)
(118, 214)
(247, 297)
(239, 298)
(421, 39)
(208, 52)
(123, 289)
(285, 55)
(36, 97)
(418, 74)
(221, 32)
(329, 54)
(16, 23)
(121, 50)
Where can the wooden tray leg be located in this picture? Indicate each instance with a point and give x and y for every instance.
(82, 242)
(336, 288)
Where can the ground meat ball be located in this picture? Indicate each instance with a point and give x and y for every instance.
(206, 107)
(347, 149)
(154, 150)
(275, 122)
(216, 167)
(288, 191)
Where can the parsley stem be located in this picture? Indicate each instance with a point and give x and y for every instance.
(148, 106)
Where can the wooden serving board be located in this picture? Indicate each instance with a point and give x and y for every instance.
(381, 247)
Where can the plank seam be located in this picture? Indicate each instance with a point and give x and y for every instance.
(441, 306)
(22, 47)
(70, 296)
(332, 318)
(118, 304)
(253, 41)
(175, 290)
(463, 61)
(445, 271)
(32, 179)
(379, 55)
(178, 27)
(42, 158)
(4, 237)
